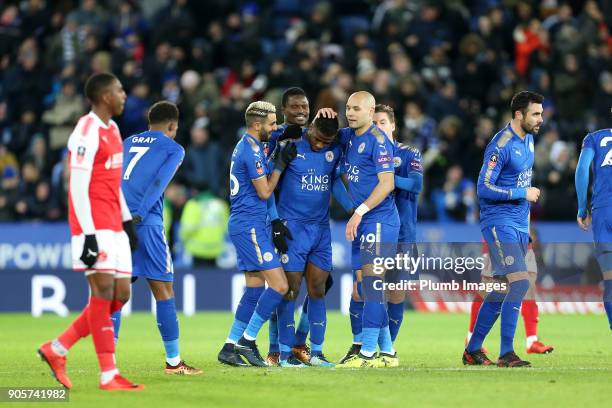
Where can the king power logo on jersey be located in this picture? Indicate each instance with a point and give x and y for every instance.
(352, 172)
(524, 179)
(315, 182)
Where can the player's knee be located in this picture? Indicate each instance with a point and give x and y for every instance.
(316, 290)
(122, 296)
(103, 291)
(280, 287)
(396, 296)
(355, 294)
(292, 292)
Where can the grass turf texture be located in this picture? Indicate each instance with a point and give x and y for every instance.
(577, 373)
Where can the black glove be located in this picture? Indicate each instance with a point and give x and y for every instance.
(90, 250)
(128, 227)
(136, 219)
(285, 156)
(291, 132)
(279, 233)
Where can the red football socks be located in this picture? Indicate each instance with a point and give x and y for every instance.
(476, 303)
(101, 329)
(529, 310)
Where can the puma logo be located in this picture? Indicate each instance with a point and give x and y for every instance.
(355, 315)
(322, 324)
(301, 156)
(394, 321)
(91, 253)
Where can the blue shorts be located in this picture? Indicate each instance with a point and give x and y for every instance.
(255, 250)
(374, 240)
(507, 249)
(311, 243)
(152, 259)
(602, 235)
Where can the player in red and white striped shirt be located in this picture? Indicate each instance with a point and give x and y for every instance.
(101, 229)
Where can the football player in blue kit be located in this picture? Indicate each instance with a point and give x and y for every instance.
(408, 185)
(296, 111)
(597, 154)
(505, 193)
(374, 226)
(303, 203)
(151, 159)
(251, 187)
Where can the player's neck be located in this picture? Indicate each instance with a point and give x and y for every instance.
(157, 129)
(102, 113)
(253, 134)
(360, 131)
(517, 128)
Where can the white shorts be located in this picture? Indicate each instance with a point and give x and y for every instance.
(114, 256)
(530, 260)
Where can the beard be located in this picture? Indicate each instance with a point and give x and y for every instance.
(529, 129)
(263, 135)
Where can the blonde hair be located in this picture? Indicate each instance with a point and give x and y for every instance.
(258, 111)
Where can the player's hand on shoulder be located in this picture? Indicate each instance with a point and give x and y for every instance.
(280, 234)
(533, 194)
(326, 113)
(291, 132)
(89, 256)
(128, 227)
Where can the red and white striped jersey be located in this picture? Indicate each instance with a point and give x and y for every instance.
(97, 148)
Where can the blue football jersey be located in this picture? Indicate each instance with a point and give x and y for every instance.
(150, 160)
(248, 163)
(407, 160)
(503, 180)
(601, 143)
(366, 156)
(306, 185)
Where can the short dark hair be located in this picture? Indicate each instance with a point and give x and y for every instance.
(162, 112)
(96, 84)
(386, 109)
(328, 127)
(521, 101)
(293, 91)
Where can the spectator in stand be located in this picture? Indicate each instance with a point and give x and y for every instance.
(558, 192)
(456, 200)
(204, 163)
(61, 117)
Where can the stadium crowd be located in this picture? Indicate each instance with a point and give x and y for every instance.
(448, 68)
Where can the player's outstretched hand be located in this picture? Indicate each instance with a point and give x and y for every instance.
(533, 194)
(584, 221)
(280, 234)
(326, 113)
(90, 250)
(291, 132)
(351, 227)
(285, 156)
(128, 227)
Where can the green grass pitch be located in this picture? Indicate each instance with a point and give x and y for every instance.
(578, 373)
